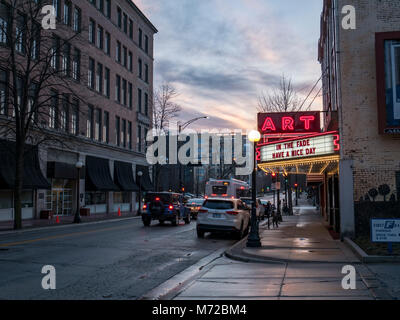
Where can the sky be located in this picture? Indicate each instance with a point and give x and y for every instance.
(220, 55)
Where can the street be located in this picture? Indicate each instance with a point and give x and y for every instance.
(111, 260)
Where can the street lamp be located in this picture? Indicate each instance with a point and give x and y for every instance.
(182, 127)
(78, 166)
(253, 241)
(140, 174)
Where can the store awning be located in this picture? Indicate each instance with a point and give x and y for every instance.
(33, 177)
(123, 176)
(61, 170)
(98, 177)
(144, 180)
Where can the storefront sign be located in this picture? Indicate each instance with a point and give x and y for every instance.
(309, 146)
(289, 123)
(385, 230)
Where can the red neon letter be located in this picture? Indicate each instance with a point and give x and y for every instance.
(268, 125)
(336, 142)
(287, 123)
(307, 120)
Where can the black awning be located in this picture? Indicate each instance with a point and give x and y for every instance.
(33, 177)
(144, 180)
(123, 176)
(61, 170)
(98, 177)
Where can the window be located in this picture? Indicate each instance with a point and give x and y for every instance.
(67, 13)
(107, 82)
(31, 98)
(20, 34)
(146, 73)
(107, 48)
(144, 139)
(107, 8)
(91, 73)
(117, 131)
(106, 129)
(140, 68)
(125, 57)
(123, 133)
(146, 104)
(89, 123)
(55, 53)
(35, 49)
(130, 95)
(125, 23)
(100, 5)
(140, 38)
(130, 61)
(119, 17)
(100, 37)
(131, 29)
(92, 31)
(75, 117)
(129, 137)
(146, 44)
(4, 20)
(118, 52)
(97, 126)
(140, 100)
(53, 110)
(76, 65)
(139, 139)
(64, 114)
(118, 88)
(124, 92)
(99, 78)
(65, 59)
(56, 5)
(77, 19)
(3, 91)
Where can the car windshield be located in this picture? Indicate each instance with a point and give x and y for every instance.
(218, 204)
(196, 202)
(219, 190)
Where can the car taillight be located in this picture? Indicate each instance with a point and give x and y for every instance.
(234, 213)
(203, 211)
(144, 206)
(224, 195)
(171, 207)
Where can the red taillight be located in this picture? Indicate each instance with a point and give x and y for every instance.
(206, 197)
(203, 211)
(214, 195)
(224, 195)
(144, 206)
(234, 213)
(171, 207)
(157, 199)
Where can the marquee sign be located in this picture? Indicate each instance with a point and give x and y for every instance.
(289, 123)
(323, 144)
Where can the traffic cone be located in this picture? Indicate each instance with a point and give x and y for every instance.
(119, 212)
(57, 219)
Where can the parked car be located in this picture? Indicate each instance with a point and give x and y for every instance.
(195, 205)
(260, 210)
(223, 215)
(165, 206)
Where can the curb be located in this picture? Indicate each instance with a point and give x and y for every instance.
(170, 288)
(365, 258)
(64, 226)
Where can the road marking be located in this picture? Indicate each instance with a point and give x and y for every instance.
(11, 244)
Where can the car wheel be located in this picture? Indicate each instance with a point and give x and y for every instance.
(188, 219)
(240, 233)
(175, 221)
(161, 222)
(200, 233)
(146, 222)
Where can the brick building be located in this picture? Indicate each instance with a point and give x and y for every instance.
(361, 86)
(110, 64)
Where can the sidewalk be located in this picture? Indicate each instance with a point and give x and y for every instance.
(300, 260)
(64, 220)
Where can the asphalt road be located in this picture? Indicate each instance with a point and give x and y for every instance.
(111, 260)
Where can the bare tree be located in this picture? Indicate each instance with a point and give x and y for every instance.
(39, 67)
(284, 98)
(165, 109)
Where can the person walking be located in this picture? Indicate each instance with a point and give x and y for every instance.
(268, 211)
(275, 219)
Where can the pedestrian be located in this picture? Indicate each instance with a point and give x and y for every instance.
(268, 210)
(275, 219)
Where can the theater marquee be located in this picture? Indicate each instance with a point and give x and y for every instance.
(318, 145)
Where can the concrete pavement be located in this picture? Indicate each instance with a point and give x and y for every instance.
(300, 260)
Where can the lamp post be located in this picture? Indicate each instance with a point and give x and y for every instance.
(78, 166)
(140, 174)
(181, 127)
(253, 241)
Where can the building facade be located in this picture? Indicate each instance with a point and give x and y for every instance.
(110, 64)
(361, 93)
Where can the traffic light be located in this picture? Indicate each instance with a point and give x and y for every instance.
(273, 177)
(296, 185)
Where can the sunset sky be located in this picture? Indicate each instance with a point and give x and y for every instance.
(221, 54)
